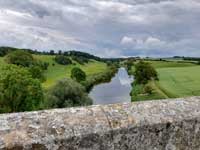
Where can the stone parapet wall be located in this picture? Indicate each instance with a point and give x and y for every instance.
(151, 125)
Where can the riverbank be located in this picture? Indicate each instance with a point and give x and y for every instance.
(115, 91)
(99, 78)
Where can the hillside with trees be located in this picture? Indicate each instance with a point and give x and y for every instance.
(32, 80)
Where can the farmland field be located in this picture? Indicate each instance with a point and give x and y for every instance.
(181, 81)
(169, 64)
(176, 79)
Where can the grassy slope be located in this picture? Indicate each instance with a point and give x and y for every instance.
(177, 79)
(57, 72)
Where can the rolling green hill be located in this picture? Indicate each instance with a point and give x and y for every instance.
(56, 71)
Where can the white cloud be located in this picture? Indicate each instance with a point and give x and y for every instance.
(127, 40)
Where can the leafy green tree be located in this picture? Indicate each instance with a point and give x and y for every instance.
(144, 72)
(18, 90)
(19, 57)
(37, 73)
(129, 63)
(63, 60)
(41, 64)
(67, 93)
(78, 74)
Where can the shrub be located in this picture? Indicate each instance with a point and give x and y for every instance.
(20, 57)
(129, 63)
(63, 60)
(67, 93)
(148, 89)
(42, 65)
(78, 74)
(18, 90)
(144, 72)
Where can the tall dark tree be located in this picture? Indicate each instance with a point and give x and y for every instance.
(52, 52)
(59, 52)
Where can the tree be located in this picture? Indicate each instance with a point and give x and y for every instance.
(60, 52)
(52, 52)
(41, 64)
(67, 93)
(144, 72)
(37, 73)
(81, 60)
(20, 58)
(78, 74)
(18, 90)
(63, 60)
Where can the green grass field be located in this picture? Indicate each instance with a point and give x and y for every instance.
(181, 81)
(176, 79)
(57, 72)
(169, 64)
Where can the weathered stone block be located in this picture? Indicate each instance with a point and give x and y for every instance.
(151, 125)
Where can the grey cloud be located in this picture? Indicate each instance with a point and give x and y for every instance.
(151, 27)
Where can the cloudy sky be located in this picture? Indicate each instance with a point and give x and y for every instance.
(108, 28)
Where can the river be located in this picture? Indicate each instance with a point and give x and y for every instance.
(116, 91)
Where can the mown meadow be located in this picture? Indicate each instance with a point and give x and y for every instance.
(176, 79)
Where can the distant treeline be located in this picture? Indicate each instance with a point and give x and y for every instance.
(82, 56)
(188, 58)
(5, 50)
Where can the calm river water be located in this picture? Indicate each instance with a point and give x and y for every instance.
(116, 91)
